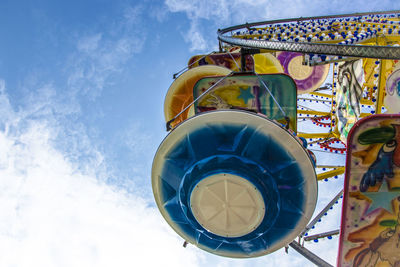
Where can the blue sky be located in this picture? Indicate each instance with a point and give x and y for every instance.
(82, 85)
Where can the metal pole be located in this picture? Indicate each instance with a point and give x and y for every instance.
(321, 235)
(315, 220)
(243, 60)
(309, 255)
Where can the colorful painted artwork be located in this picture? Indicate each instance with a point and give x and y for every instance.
(348, 96)
(247, 92)
(307, 78)
(267, 63)
(227, 60)
(392, 98)
(180, 93)
(370, 231)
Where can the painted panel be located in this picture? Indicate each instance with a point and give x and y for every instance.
(370, 231)
(247, 92)
(180, 93)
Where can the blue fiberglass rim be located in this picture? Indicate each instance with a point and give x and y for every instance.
(234, 142)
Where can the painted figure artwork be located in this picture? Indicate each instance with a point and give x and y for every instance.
(348, 109)
(370, 231)
(392, 98)
(277, 101)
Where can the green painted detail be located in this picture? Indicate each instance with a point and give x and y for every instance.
(377, 135)
(388, 223)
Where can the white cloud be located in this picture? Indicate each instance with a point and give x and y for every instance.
(89, 43)
(218, 10)
(158, 12)
(55, 215)
(196, 39)
(200, 11)
(100, 55)
(132, 14)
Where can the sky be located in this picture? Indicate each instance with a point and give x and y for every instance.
(82, 86)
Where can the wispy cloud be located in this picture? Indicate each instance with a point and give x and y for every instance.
(100, 55)
(195, 38)
(58, 208)
(55, 215)
(97, 57)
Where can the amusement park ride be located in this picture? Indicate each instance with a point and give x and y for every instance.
(236, 177)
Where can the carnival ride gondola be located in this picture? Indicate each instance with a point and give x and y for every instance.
(236, 176)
